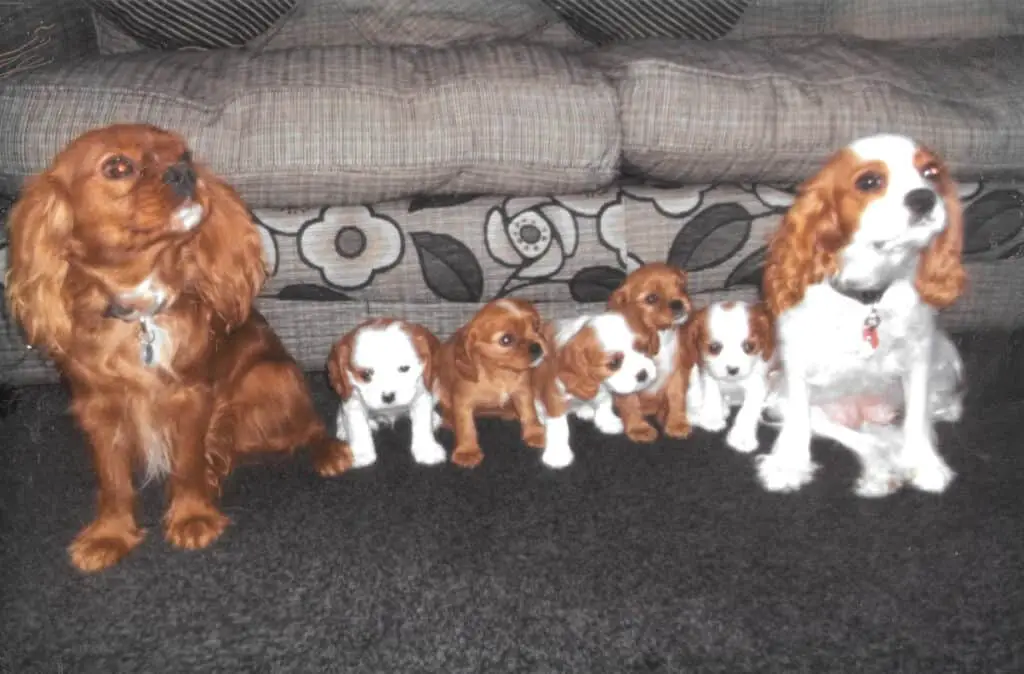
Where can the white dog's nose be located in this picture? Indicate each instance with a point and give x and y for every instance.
(642, 376)
(920, 201)
(387, 398)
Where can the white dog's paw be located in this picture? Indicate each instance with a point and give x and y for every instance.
(780, 473)
(584, 413)
(609, 424)
(435, 420)
(557, 457)
(742, 440)
(877, 482)
(429, 453)
(930, 475)
(710, 422)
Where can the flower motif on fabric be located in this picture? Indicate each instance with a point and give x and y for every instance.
(534, 241)
(351, 245)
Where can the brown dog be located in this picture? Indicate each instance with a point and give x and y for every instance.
(484, 369)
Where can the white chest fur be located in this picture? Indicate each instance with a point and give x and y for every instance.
(665, 361)
(155, 344)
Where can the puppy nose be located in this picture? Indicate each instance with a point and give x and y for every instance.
(732, 370)
(676, 305)
(536, 350)
(642, 376)
(920, 201)
(387, 398)
(181, 177)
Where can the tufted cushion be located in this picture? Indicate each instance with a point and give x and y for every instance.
(339, 125)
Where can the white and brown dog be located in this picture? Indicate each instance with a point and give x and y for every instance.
(726, 353)
(596, 358)
(382, 370)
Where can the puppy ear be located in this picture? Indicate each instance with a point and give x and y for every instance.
(465, 354)
(762, 327)
(941, 277)
(693, 337)
(40, 234)
(339, 365)
(225, 259)
(579, 364)
(618, 299)
(426, 345)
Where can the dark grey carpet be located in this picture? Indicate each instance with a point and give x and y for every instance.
(637, 559)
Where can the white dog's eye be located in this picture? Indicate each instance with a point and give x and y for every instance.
(366, 375)
(870, 181)
(615, 362)
(930, 172)
(715, 348)
(403, 368)
(749, 347)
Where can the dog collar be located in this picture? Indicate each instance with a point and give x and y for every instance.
(865, 297)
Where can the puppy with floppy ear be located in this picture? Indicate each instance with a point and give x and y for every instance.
(485, 369)
(655, 295)
(383, 371)
(596, 358)
(726, 353)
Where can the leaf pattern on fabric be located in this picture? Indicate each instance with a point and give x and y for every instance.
(424, 201)
(713, 236)
(450, 269)
(992, 220)
(750, 271)
(311, 293)
(595, 284)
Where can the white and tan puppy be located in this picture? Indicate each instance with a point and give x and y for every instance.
(596, 359)
(382, 370)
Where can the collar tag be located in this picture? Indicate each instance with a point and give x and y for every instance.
(870, 330)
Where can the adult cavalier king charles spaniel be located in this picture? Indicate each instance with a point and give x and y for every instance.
(136, 269)
(868, 253)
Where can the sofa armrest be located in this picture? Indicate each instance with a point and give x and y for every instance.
(34, 34)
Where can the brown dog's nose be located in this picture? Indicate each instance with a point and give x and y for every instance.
(536, 350)
(676, 306)
(181, 177)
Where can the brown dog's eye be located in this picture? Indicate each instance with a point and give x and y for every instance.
(930, 172)
(366, 375)
(869, 181)
(506, 340)
(749, 347)
(715, 348)
(403, 368)
(118, 167)
(615, 362)
(651, 299)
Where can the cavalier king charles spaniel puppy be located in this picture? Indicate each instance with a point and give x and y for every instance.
(484, 369)
(863, 260)
(382, 370)
(594, 358)
(726, 352)
(135, 269)
(656, 294)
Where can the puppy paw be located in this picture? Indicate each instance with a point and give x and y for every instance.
(467, 457)
(742, 441)
(428, 453)
(609, 424)
(586, 414)
(332, 458)
(712, 423)
(103, 544)
(642, 432)
(677, 428)
(557, 457)
(435, 420)
(877, 483)
(782, 474)
(193, 525)
(534, 436)
(930, 475)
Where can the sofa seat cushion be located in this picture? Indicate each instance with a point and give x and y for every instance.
(773, 108)
(342, 125)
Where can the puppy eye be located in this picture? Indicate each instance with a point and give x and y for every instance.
(506, 340)
(651, 299)
(403, 368)
(749, 347)
(118, 167)
(366, 375)
(715, 348)
(870, 181)
(615, 362)
(930, 172)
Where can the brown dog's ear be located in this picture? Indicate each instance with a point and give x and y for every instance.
(40, 234)
(465, 342)
(339, 365)
(618, 299)
(762, 330)
(693, 337)
(427, 346)
(580, 366)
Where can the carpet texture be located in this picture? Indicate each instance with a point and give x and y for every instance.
(666, 558)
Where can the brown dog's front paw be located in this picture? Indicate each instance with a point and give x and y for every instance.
(193, 525)
(678, 428)
(467, 457)
(533, 435)
(332, 458)
(642, 432)
(103, 544)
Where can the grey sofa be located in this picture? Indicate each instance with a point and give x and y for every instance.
(419, 158)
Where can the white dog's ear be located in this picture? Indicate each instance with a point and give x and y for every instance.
(339, 365)
(580, 364)
(427, 346)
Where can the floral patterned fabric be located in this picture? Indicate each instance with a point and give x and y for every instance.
(436, 259)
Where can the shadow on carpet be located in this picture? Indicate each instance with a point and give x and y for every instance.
(667, 558)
